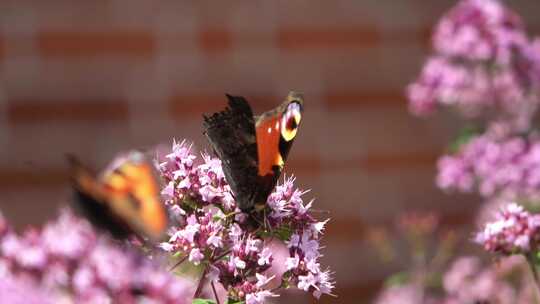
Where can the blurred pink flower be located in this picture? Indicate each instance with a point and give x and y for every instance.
(467, 282)
(484, 65)
(68, 261)
(507, 167)
(515, 231)
(401, 294)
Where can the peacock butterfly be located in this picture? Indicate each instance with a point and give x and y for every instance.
(124, 199)
(253, 149)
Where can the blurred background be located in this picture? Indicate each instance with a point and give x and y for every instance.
(97, 77)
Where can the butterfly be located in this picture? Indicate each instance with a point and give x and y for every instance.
(124, 199)
(253, 149)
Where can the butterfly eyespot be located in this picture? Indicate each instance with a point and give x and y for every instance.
(290, 121)
(291, 124)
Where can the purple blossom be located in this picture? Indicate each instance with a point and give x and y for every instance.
(514, 231)
(467, 281)
(19, 291)
(259, 297)
(484, 65)
(68, 261)
(196, 256)
(265, 257)
(507, 167)
(402, 294)
(212, 231)
(479, 30)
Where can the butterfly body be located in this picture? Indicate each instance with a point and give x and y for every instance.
(124, 199)
(253, 149)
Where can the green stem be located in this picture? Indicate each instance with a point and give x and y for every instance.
(532, 265)
(215, 292)
(201, 283)
(182, 260)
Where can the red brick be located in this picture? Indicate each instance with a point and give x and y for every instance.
(67, 44)
(311, 38)
(214, 40)
(33, 206)
(25, 111)
(380, 162)
(421, 36)
(355, 132)
(184, 106)
(356, 98)
(2, 48)
(379, 196)
(33, 146)
(344, 229)
(31, 178)
(304, 165)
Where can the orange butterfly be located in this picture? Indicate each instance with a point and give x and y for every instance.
(124, 199)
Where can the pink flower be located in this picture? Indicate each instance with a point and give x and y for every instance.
(71, 262)
(468, 282)
(514, 231)
(263, 280)
(507, 167)
(265, 257)
(292, 262)
(210, 225)
(484, 66)
(404, 294)
(196, 256)
(259, 297)
(307, 281)
(214, 240)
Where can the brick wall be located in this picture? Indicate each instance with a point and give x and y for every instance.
(97, 77)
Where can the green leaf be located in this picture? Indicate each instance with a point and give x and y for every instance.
(283, 233)
(230, 301)
(203, 301)
(397, 279)
(463, 138)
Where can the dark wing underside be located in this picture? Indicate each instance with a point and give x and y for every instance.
(90, 201)
(232, 135)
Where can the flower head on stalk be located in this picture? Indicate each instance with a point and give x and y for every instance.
(515, 231)
(484, 65)
(212, 231)
(508, 167)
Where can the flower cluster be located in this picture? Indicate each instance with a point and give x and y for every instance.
(232, 246)
(508, 167)
(515, 231)
(467, 280)
(484, 65)
(401, 294)
(68, 261)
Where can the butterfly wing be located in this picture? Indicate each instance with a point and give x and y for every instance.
(134, 194)
(92, 200)
(276, 130)
(232, 135)
(125, 199)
